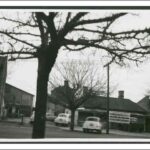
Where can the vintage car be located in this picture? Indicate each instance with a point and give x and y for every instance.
(62, 119)
(49, 117)
(92, 124)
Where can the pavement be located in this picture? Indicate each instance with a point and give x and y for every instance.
(26, 120)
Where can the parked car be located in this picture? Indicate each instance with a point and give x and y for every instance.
(49, 117)
(92, 124)
(32, 117)
(62, 119)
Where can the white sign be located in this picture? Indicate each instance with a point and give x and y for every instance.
(133, 120)
(119, 117)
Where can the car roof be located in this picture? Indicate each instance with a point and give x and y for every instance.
(92, 117)
(64, 114)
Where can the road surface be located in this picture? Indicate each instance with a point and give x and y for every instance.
(16, 131)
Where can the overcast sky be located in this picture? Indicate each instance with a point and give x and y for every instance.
(135, 81)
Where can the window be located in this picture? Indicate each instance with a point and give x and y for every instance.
(93, 119)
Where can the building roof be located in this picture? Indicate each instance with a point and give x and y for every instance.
(7, 84)
(117, 104)
(56, 101)
(100, 102)
(145, 103)
(58, 96)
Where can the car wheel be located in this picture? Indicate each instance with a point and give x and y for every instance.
(31, 122)
(56, 124)
(99, 131)
(84, 130)
(66, 125)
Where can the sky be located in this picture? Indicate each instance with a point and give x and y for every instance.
(135, 81)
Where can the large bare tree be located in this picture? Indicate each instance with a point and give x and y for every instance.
(41, 35)
(82, 80)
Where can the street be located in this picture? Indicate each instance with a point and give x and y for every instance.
(17, 131)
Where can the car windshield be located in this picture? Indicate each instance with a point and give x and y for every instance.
(49, 114)
(92, 119)
(62, 115)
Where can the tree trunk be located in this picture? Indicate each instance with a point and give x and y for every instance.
(46, 60)
(72, 119)
(41, 100)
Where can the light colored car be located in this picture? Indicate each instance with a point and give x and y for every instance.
(62, 119)
(92, 124)
(32, 117)
(49, 117)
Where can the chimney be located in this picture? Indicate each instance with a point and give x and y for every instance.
(66, 83)
(85, 89)
(147, 97)
(121, 94)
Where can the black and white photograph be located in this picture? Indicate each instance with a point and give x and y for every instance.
(75, 74)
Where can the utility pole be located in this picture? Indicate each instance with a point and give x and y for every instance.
(107, 128)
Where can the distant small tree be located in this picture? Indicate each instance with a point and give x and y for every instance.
(147, 92)
(82, 80)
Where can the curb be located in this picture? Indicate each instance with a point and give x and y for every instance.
(79, 130)
(112, 133)
(15, 122)
(67, 129)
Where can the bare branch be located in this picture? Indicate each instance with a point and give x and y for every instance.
(18, 40)
(15, 58)
(44, 37)
(49, 20)
(75, 49)
(23, 33)
(70, 25)
(84, 82)
(67, 18)
(100, 20)
(17, 52)
(21, 23)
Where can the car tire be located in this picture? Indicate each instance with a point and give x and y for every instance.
(99, 131)
(66, 125)
(31, 122)
(84, 130)
(56, 124)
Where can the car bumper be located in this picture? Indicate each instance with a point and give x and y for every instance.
(61, 122)
(92, 127)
